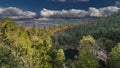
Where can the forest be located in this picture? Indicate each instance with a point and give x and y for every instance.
(91, 45)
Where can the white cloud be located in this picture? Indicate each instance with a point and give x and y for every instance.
(63, 13)
(26, 17)
(94, 12)
(16, 13)
(102, 12)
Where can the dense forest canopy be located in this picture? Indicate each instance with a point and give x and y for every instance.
(89, 45)
(104, 30)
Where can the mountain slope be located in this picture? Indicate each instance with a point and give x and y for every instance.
(106, 30)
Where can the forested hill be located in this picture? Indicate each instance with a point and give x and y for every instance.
(106, 30)
(97, 45)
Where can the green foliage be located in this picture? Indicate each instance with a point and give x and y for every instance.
(33, 47)
(7, 58)
(57, 58)
(26, 47)
(73, 64)
(107, 27)
(107, 44)
(60, 55)
(115, 57)
(41, 55)
(87, 57)
(90, 43)
(88, 40)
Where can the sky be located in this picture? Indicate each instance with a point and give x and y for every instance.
(24, 11)
(37, 5)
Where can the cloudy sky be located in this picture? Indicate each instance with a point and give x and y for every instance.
(36, 11)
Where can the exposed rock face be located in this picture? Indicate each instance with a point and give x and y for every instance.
(103, 56)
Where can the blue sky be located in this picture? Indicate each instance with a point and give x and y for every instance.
(37, 5)
(37, 11)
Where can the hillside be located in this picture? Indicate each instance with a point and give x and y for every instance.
(105, 30)
(90, 45)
